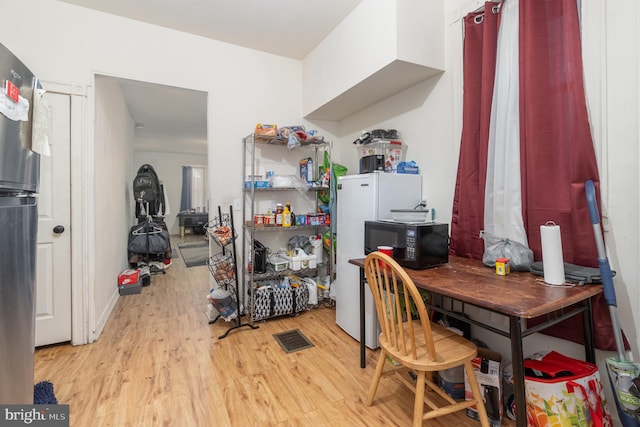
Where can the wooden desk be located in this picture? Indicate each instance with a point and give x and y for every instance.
(517, 296)
(194, 220)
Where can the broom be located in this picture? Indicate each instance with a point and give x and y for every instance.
(624, 375)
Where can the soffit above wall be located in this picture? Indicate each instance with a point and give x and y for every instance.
(388, 81)
(378, 50)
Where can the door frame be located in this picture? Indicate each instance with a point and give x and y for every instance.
(82, 200)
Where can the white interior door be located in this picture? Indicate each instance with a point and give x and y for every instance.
(53, 286)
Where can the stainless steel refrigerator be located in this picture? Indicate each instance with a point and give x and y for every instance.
(19, 175)
(360, 198)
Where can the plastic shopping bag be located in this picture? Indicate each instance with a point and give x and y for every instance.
(561, 391)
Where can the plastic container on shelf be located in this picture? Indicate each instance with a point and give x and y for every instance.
(287, 181)
(300, 260)
(394, 151)
(317, 219)
(256, 184)
(311, 261)
(286, 216)
(278, 262)
(279, 210)
(304, 260)
(295, 260)
(316, 248)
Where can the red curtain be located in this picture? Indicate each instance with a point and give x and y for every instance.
(557, 154)
(480, 44)
(555, 138)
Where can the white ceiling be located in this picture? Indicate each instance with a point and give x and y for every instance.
(167, 118)
(290, 28)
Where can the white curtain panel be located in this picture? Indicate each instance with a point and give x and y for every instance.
(503, 196)
(199, 188)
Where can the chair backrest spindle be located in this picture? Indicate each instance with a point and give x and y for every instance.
(395, 294)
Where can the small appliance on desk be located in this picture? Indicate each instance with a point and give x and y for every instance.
(415, 245)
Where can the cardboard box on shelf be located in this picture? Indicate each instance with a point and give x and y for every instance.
(306, 170)
(487, 367)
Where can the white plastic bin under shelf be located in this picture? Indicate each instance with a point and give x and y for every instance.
(300, 260)
(295, 261)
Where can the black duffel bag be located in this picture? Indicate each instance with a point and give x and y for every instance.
(149, 238)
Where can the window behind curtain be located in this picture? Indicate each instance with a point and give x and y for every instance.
(195, 189)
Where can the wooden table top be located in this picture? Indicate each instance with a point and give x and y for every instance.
(517, 294)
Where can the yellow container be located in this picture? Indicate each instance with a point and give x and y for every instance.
(286, 216)
(502, 266)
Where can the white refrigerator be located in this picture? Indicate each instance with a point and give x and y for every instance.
(360, 198)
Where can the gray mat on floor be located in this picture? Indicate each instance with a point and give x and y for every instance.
(194, 253)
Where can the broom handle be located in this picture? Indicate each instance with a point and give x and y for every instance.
(603, 262)
(605, 269)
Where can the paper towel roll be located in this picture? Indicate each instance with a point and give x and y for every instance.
(552, 262)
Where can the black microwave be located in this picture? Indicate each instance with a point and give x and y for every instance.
(416, 246)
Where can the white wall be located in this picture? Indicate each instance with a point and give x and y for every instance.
(617, 79)
(69, 44)
(114, 195)
(612, 50)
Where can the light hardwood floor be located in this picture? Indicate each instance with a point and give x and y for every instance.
(159, 363)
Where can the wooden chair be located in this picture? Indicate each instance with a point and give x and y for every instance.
(415, 343)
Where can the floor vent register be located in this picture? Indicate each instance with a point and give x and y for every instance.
(293, 340)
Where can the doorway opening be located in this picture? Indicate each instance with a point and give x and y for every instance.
(136, 123)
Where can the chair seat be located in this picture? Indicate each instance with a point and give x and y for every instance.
(452, 349)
